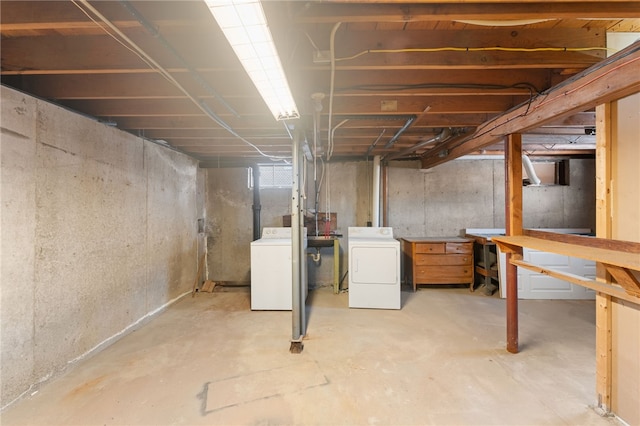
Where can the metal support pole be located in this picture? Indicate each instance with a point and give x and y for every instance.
(297, 308)
(385, 193)
(375, 199)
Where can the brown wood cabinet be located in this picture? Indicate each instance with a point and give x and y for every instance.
(438, 260)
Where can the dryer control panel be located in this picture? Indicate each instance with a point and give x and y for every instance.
(369, 232)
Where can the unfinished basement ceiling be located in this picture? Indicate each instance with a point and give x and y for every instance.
(389, 78)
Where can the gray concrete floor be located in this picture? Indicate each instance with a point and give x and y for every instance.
(440, 360)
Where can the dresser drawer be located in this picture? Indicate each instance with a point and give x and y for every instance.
(431, 248)
(443, 274)
(443, 259)
(459, 247)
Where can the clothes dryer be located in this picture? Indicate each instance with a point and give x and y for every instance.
(374, 268)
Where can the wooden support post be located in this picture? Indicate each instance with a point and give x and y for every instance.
(603, 230)
(513, 226)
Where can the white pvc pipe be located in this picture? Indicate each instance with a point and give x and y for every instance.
(375, 199)
(531, 173)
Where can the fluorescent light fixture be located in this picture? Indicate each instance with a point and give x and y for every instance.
(245, 27)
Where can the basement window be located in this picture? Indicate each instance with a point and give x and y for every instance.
(273, 176)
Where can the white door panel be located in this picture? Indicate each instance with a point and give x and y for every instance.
(532, 285)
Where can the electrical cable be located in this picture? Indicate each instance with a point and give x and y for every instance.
(400, 87)
(560, 86)
(332, 50)
(140, 53)
(330, 153)
(474, 49)
(156, 34)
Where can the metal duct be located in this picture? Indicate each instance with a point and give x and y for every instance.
(401, 131)
(440, 137)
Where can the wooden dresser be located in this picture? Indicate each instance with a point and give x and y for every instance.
(438, 260)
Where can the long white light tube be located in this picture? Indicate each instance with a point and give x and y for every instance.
(245, 26)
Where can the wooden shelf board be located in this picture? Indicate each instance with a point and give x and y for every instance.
(623, 259)
(601, 287)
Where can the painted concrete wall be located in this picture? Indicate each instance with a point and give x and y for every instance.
(442, 201)
(445, 200)
(229, 225)
(98, 231)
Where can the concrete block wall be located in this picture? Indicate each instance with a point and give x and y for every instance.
(98, 231)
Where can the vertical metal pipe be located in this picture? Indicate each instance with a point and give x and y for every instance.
(385, 194)
(256, 202)
(297, 308)
(375, 189)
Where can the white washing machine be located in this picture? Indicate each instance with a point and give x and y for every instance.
(374, 268)
(271, 275)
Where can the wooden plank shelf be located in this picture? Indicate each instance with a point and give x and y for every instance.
(612, 290)
(620, 258)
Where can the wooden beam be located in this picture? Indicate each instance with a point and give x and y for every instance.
(587, 242)
(594, 285)
(434, 49)
(162, 107)
(202, 122)
(513, 226)
(604, 352)
(604, 303)
(471, 60)
(614, 78)
(590, 251)
(103, 53)
(417, 104)
(625, 279)
(144, 84)
(407, 79)
(61, 15)
(325, 13)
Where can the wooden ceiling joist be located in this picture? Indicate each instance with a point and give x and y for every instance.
(323, 13)
(618, 77)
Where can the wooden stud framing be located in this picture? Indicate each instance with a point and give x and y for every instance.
(603, 230)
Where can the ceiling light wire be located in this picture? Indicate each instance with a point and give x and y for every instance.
(332, 50)
(475, 49)
(156, 34)
(133, 47)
